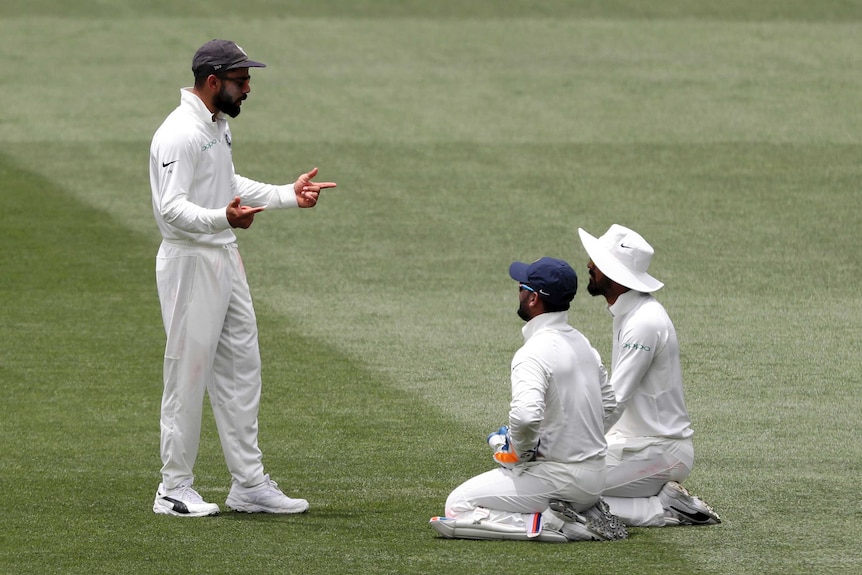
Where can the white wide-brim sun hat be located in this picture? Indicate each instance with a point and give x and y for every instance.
(622, 255)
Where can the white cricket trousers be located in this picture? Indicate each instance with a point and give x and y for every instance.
(211, 346)
(510, 497)
(638, 467)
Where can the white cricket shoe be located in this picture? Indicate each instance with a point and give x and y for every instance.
(182, 502)
(264, 498)
(594, 524)
(683, 508)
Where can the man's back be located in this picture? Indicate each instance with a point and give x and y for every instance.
(646, 373)
(557, 390)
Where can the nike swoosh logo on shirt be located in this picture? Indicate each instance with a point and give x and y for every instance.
(166, 164)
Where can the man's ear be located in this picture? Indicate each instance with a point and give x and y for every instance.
(212, 82)
(537, 303)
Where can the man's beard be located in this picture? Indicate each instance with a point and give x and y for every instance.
(224, 103)
(601, 288)
(522, 312)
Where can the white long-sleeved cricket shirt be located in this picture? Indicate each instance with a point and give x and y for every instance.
(560, 393)
(645, 370)
(193, 179)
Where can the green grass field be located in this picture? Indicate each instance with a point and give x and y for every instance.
(463, 136)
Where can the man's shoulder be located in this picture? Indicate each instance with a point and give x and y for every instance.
(648, 317)
(179, 117)
(554, 342)
(648, 305)
(179, 128)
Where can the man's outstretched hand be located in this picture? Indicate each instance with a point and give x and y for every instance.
(308, 192)
(241, 216)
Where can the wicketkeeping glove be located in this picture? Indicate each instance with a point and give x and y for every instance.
(497, 438)
(506, 457)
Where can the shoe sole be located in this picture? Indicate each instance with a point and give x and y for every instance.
(251, 508)
(605, 521)
(584, 526)
(160, 509)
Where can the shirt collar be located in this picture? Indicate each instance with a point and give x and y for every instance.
(555, 320)
(189, 98)
(626, 302)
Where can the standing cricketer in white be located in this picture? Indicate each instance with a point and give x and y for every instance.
(551, 455)
(650, 450)
(209, 319)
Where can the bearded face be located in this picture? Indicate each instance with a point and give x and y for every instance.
(599, 284)
(525, 296)
(227, 102)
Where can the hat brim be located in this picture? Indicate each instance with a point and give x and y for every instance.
(518, 271)
(615, 269)
(246, 64)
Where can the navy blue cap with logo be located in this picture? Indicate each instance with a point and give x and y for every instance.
(219, 56)
(554, 280)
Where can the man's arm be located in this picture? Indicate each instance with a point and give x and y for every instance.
(527, 409)
(609, 399)
(637, 348)
(303, 193)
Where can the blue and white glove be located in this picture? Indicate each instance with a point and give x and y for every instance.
(501, 443)
(498, 438)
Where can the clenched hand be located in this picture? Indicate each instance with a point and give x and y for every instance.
(241, 216)
(307, 192)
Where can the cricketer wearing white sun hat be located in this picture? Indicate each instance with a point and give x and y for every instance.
(622, 255)
(649, 435)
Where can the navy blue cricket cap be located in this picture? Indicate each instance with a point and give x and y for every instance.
(220, 55)
(554, 280)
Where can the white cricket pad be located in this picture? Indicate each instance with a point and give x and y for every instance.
(465, 529)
